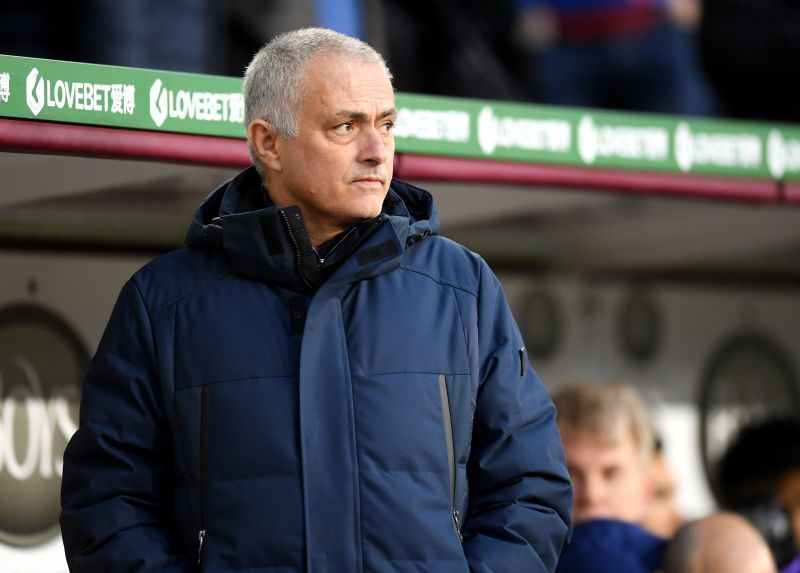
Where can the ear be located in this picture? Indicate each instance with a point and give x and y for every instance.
(264, 141)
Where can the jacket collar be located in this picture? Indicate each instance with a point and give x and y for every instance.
(269, 244)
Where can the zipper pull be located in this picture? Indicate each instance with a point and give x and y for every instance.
(457, 522)
(201, 537)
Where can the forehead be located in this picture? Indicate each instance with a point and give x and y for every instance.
(332, 83)
(589, 450)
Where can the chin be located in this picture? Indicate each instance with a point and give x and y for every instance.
(371, 209)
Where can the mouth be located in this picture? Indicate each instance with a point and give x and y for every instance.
(371, 182)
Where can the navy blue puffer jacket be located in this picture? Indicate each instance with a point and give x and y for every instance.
(388, 421)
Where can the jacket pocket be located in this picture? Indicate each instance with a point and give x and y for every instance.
(451, 454)
(205, 408)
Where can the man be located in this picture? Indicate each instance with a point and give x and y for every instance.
(608, 441)
(319, 383)
(720, 543)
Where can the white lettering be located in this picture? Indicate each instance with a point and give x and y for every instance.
(727, 150)
(632, 143)
(792, 150)
(5, 86)
(20, 394)
(84, 96)
(182, 104)
(93, 102)
(202, 106)
(432, 125)
(83, 92)
(43, 418)
(547, 135)
(623, 142)
(128, 98)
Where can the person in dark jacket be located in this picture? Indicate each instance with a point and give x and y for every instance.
(612, 546)
(319, 382)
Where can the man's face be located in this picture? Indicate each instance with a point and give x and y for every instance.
(339, 166)
(609, 478)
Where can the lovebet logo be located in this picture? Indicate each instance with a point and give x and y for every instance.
(200, 106)
(34, 90)
(783, 154)
(693, 148)
(41, 93)
(630, 143)
(550, 135)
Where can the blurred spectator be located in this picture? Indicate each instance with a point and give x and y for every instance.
(720, 543)
(39, 29)
(251, 23)
(202, 36)
(180, 35)
(751, 50)
(608, 442)
(454, 47)
(789, 497)
(624, 54)
(610, 546)
(663, 516)
(758, 476)
(793, 567)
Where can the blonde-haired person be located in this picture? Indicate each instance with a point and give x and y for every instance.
(608, 442)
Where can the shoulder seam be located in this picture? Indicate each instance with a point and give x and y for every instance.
(439, 280)
(183, 295)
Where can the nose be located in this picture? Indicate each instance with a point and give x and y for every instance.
(375, 147)
(591, 492)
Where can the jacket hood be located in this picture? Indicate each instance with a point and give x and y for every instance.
(269, 243)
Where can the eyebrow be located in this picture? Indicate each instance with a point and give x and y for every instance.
(360, 115)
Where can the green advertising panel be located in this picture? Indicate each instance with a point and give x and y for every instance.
(120, 97)
(595, 138)
(212, 105)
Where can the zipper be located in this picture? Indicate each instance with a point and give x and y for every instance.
(332, 249)
(457, 522)
(298, 256)
(451, 456)
(205, 403)
(201, 537)
(367, 232)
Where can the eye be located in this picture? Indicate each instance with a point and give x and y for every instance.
(344, 128)
(611, 473)
(388, 125)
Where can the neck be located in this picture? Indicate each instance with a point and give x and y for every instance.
(319, 231)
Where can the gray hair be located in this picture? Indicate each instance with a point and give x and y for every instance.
(272, 88)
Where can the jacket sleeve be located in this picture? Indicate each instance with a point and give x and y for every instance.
(114, 494)
(520, 499)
